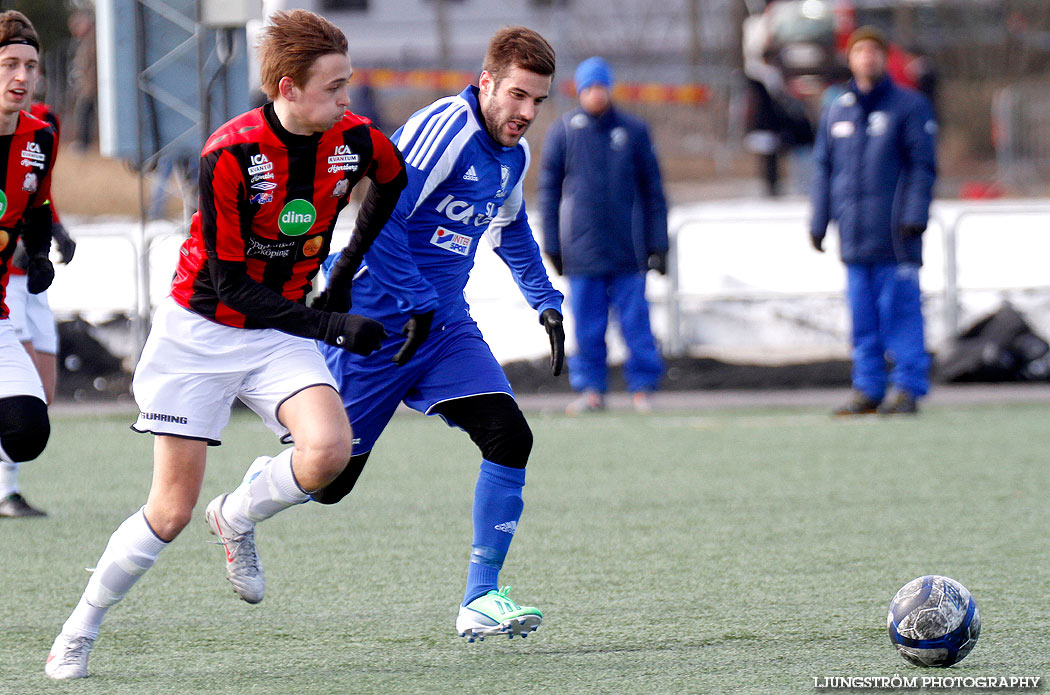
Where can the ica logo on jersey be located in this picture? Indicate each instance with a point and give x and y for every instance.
(459, 211)
(342, 159)
(260, 164)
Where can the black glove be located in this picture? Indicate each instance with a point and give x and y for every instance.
(358, 334)
(416, 330)
(910, 231)
(552, 322)
(336, 295)
(555, 259)
(39, 274)
(66, 246)
(818, 242)
(658, 261)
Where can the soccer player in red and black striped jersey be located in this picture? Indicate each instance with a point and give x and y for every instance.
(272, 182)
(27, 151)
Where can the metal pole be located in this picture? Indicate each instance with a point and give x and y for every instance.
(951, 279)
(674, 306)
(140, 323)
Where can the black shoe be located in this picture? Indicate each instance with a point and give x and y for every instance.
(899, 402)
(859, 403)
(15, 505)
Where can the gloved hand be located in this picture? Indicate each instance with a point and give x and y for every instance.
(658, 261)
(910, 231)
(39, 274)
(552, 323)
(416, 330)
(359, 335)
(337, 301)
(555, 259)
(818, 242)
(66, 246)
(336, 295)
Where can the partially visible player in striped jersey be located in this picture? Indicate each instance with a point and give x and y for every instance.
(34, 324)
(466, 164)
(272, 182)
(27, 155)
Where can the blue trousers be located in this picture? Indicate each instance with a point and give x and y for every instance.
(591, 298)
(886, 310)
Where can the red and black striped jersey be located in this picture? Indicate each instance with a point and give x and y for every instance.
(45, 113)
(27, 157)
(268, 203)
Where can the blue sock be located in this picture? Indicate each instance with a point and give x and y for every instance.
(497, 508)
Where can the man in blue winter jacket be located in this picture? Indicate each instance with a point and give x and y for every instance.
(875, 167)
(604, 225)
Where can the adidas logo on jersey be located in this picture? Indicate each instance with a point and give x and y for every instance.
(507, 527)
(471, 175)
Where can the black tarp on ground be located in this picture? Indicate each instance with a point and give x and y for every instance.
(999, 347)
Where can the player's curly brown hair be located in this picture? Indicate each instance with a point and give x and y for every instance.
(15, 27)
(291, 43)
(518, 46)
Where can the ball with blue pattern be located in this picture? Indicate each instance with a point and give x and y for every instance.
(933, 621)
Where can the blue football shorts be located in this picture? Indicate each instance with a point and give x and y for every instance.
(453, 362)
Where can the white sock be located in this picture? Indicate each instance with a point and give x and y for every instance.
(132, 549)
(8, 478)
(260, 496)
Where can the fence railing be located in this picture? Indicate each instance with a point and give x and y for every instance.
(998, 260)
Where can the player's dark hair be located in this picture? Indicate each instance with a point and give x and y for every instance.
(290, 45)
(16, 28)
(518, 46)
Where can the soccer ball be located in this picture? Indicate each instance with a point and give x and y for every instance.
(933, 621)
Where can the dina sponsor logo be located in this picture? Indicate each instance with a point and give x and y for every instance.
(296, 217)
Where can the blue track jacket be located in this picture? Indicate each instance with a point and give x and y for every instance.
(874, 169)
(462, 186)
(601, 198)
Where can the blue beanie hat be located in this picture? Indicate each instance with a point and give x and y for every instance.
(591, 72)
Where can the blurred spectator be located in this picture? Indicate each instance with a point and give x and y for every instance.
(777, 122)
(83, 78)
(184, 170)
(604, 225)
(874, 173)
(364, 102)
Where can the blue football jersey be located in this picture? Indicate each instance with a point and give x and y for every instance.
(462, 186)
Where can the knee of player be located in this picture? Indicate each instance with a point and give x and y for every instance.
(326, 458)
(510, 443)
(344, 482)
(24, 427)
(168, 523)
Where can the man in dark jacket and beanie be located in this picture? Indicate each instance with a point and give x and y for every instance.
(875, 167)
(604, 226)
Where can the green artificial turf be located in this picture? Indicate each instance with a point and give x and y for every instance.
(743, 551)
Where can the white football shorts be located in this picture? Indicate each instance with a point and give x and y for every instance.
(18, 376)
(191, 370)
(32, 316)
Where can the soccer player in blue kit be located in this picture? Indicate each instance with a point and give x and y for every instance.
(466, 163)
